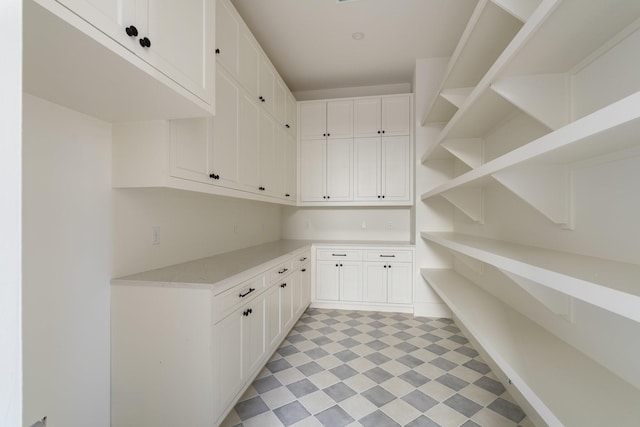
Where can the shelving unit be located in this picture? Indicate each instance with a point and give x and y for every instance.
(550, 117)
(556, 379)
(607, 284)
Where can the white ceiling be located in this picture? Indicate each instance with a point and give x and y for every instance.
(310, 41)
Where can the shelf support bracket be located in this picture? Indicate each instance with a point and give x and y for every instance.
(547, 188)
(559, 303)
(469, 150)
(472, 263)
(457, 97)
(468, 200)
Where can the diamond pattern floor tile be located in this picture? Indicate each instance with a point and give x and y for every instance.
(357, 368)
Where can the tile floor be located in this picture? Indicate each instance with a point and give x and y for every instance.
(356, 368)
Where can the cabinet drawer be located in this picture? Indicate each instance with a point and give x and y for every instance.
(391, 256)
(226, 302)
(301, 258)
(339, 254)
(280, 271)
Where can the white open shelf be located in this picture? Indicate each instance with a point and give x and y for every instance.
(563, 386)
(611, 129)
(610, 285)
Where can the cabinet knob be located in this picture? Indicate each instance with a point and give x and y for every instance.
(145, 42)
(261, 188)
(217, 51)
(379, 132)
(284, 285)
(328, 134)
(378, 197)
(287, 125)
(324, 134)
(337, 265)
(131, 31)
(261, 98)
(287, 195)
(340, 265)
(214, 176)
(328, 197)
(384, 266)
(382, 131)
(303, 270)
(383, 196)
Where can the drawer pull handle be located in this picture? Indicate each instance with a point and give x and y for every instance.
(303, 270)
(284, 270)
(338, 254)
(284, 285)
(246, 293)
(387, 256)
(246, 313)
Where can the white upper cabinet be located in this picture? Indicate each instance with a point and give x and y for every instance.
(172, 37)
(225, 159)
(326, 119)
(227, 32)
(388, 116)
(290, 114)
(248, 63)
(190, 148)
(279, 101)
(313, 120)
(340, 119)
(266, 84)
(367, 117)
(382, 168)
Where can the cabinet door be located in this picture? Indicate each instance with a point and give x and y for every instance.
(248, 147)
(396, 168)
(339, 170)
(375, 282)
(253, 337)
(190, 149)
(272, 327)
(280, 165)
(286, 300)
(327, 281)
(312, 170)
(224, 160)
(340, 119)
(279, 101)
(182, 42)
(367, 168)
(297, 294)
(291, 171)
(109, 16)
(266, 83)
(268, 178)
(367, 117)
(399, 283)
(396, 115)
(350, 281)
(227, 29)
(248, 60)
(227, 359)
(290, 114)
(305, 287)
(313, 119)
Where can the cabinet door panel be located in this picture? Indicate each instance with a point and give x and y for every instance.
(266, 84)
(396, 115)
(249, 159)
(340, 169)
(268, 178)
(290, 114)
(313, 119)
(279, 101)
(190, 149)
(181, 44)
(340, 119)
(400, 283)
(305, 287)
(228, 359)
(286, 300)
(367, 117)
(396, 168)
(375, 282)
(327, 281)
(224, 154)
(280, 163)
(291, 171)
(367, 168)
(313, 170)
(351, 281)
(253, 337)
(227, 38)
(248, 60)
(273, 323)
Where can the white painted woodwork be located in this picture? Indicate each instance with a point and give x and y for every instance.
(469, 150)
(227, 33)
(547, 188)
(267, 155)
(399, 283)
(248, 63)
(375, 282)
(253, 337)
(504, 335)
(521, 9)
(225, 157)
(305, 286)
(279, 99)
(291, 172)
(98, 67)
(396, 168)
(559, 303)
(327, 284)
(266, 84)
(313, 120)
(469, 200)
(280, 162)
(248, 143)
(350, 280)
(368, 168)
(457, 96)
(339, 119)
(290, 114)
(273, 311)
(228, 364)
(190, 149)
(606, 284)
(286, 301)
(339, 169)
(313, 161)
(396, 115)
(367, 117)
(544, 97)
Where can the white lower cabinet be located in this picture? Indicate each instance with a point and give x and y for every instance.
(364, 277)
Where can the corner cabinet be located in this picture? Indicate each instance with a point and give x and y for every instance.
(356, 152)
(365, 277)
(164, 55)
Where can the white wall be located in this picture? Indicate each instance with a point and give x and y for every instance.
(10, 214)
(66, 266)
(436, 214)
(192, 226)
(350, 92)
(346, 223)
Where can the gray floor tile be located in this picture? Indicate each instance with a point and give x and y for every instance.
(467, 351)
(343, 372)
(278, 365)
(302, 388)
(466, 407)
(377, 345)
(348, 342)
(316, 353)
(377, 358)
(378, 396)
(452, 382)
(420, 401)
(507, 410)
(322, 340)
(406, 347)
(490, 385)
(251, 407)
(410, 361)
(346, 355)
(477, 366)
(287, 350)
(339, 391)
(444, 364)
(263, 385)
(310, 368)
(378, 419)
(378, 375)
(437, 349)
(458, 339)
(376, 333)
(414, 378)
(334, 417)
(291, 413)
(423, 421)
